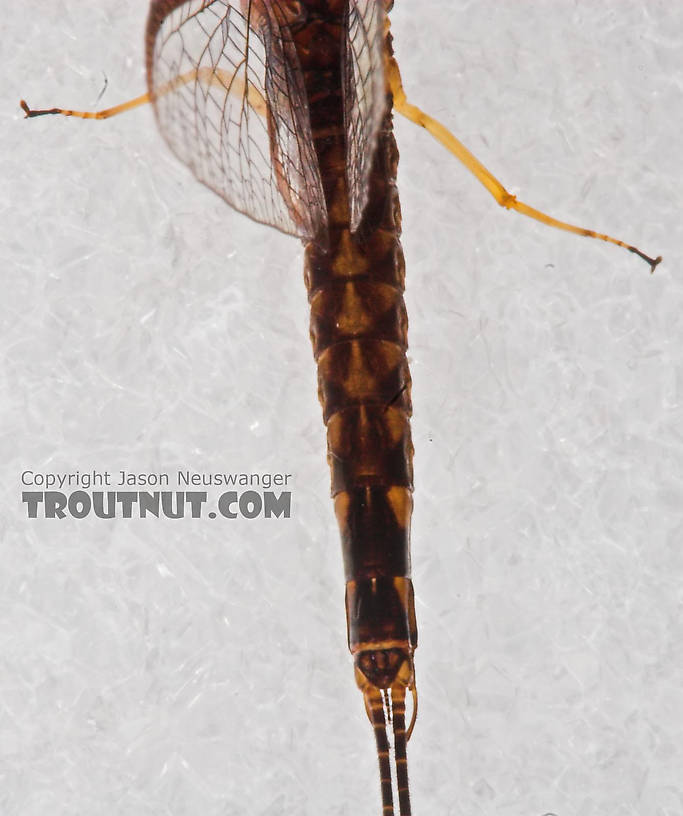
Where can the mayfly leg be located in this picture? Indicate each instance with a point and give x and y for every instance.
(236, 87)
(103, 114)
(483, 175)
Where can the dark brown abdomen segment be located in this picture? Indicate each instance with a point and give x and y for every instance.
(359, 336)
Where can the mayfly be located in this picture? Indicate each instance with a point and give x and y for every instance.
(284, 109)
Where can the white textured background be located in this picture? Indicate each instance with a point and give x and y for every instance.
(191, 668)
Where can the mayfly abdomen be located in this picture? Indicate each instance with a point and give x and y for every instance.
(292, 124)
(283, 108)
(359, 334)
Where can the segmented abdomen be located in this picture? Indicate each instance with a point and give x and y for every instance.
(359, 336)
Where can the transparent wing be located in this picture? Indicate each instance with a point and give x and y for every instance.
(364, 96)
(229, 99)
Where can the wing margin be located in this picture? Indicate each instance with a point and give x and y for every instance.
(229, 99)
(364, 93)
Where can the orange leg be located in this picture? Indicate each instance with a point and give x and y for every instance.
(502, 196)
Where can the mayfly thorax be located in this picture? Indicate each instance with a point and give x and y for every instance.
(284, 109)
